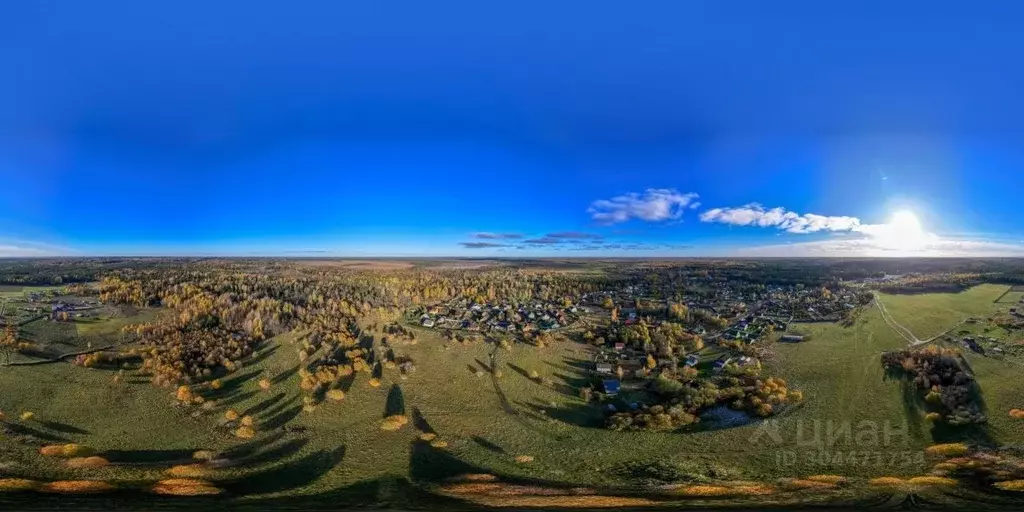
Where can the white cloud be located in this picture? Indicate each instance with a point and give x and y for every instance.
(754, 214)
(654, 205)
(872, 247)
(29, 250)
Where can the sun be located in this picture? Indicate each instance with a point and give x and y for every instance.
(902, 235)
(905, 224)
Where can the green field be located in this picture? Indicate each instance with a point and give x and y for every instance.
(930, 314)
(487, 421)
(9, 291)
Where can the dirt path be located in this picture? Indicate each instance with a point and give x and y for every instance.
(58, 358)
(905, 333)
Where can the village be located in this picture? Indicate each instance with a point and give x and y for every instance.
(727, 319)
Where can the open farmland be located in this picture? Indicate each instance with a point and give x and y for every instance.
(470, 404)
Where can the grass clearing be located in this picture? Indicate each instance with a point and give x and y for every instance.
(929, 314)
(479, 423)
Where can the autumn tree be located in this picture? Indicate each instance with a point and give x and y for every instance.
(9, 342)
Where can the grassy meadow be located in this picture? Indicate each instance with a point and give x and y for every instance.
(484, 420)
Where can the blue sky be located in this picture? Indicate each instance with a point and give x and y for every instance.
(412, 128)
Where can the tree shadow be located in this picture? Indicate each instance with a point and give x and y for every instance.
(345, 382)
(485, 367)
(520, 370)
(264, 405)
(290, 475)
(420, 422)
(63, 428)
(395, 404)
(250, 448)
(237, 398)
(283, 376)
(488, 445)
(282, 418)
(279, 407)
(276, 453)
(156, 457)
(262, 355)
(231, 385)
(25, 430)
(429, 464)
(579, 415)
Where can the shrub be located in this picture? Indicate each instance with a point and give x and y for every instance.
(948, 449)
(185, 487)
(87, 462)
(374, 382)
(184, 394)
(932, 481)
(204, 455)
(28, 416)
(231, 415)
(1017, 414)
(246, 421)
(524, 459)
(336, 394)
(55, 450)
(427, 436)
(829, 479)
(189, 471)
(265, 384)
(66, 450)
(394, 422)
(887, 481)
(704, 491)
(2, 416)
(1009, 485)
(933, 416)
(437, 443)
(216, 384)
(17, 484)
(803, 483)
(245, 432)
(477, 477)
(77, 486)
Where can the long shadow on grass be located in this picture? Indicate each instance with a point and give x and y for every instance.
(290, 475)
(25, 430)
(231, 385)
(281, 419)
(420, 422)
(488, 445)
(263, 355)
(148, 456)
(283, 376)
(579, 415)
(237, 398)
(429, 464)
(250, 448)
(264, 405)
(395, 404)
(63, 428)
(346, 381)
(276, 453)
(279, 407)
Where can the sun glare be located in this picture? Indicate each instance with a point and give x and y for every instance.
(902, 235)
(905, 223)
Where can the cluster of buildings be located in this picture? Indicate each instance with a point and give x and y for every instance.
(533, 316)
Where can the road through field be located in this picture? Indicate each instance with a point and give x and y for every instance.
(905, 333)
